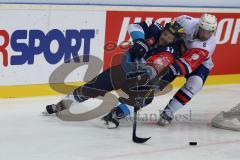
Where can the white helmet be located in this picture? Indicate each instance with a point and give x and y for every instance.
(208, 22)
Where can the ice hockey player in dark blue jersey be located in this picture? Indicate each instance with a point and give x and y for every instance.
(160, 49)
(154, 49)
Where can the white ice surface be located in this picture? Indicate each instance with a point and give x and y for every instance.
(27, 135)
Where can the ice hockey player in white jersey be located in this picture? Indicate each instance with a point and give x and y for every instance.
(199, 38)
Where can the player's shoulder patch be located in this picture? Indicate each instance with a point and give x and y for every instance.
(160, 27)
(184, 20)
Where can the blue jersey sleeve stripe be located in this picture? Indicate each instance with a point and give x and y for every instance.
(137, 35)
(124, 109)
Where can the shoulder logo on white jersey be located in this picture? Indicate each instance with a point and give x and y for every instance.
(195, 57)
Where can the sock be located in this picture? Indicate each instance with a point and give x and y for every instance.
(122, 111)
(182, 97)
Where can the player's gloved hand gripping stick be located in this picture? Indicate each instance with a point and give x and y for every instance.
(142, 93)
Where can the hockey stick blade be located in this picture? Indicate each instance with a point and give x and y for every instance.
(140, 140)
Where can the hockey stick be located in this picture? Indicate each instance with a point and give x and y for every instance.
(135, 138)
(139, 104)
